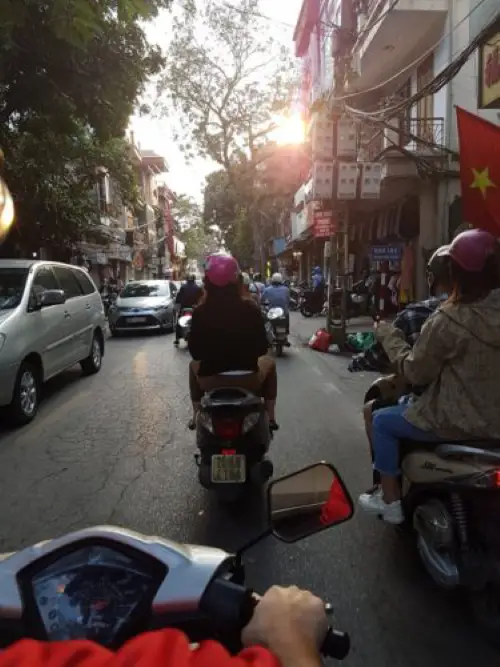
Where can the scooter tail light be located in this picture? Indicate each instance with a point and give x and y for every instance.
(205, 421)
(250, 421)
(227, 429)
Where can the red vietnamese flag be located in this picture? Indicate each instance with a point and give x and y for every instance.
(479, 143)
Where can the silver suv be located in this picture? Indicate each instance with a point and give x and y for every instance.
(51, 317)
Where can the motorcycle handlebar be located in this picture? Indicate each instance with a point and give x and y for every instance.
(235, 604)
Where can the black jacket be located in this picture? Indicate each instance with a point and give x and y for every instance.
(227, 338)
(188, 295)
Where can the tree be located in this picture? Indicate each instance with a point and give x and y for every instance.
(185, 212)
(70, 74)
(228, 77)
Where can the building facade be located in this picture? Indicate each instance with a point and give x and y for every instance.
(394, 72)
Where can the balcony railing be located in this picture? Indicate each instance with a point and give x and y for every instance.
(418, 135)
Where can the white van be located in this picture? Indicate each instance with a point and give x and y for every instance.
(51, 317)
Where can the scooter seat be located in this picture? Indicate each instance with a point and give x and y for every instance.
(487, 450)
(230, 397)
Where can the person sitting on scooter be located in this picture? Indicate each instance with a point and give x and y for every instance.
(277, 295)
(187, 297)
(456, 357)
(248, 288)
(387, 390)
(257, 279)
(228, 334)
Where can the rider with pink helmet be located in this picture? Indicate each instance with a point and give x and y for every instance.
(456, 358)
(228, 334)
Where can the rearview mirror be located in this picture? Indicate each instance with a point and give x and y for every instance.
(307, 502)
(52, 297)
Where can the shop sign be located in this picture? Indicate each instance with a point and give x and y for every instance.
(489, 73)
(324, 224)
(308, 18)
(386, 253)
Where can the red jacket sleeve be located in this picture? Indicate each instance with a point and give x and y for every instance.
(169, 648)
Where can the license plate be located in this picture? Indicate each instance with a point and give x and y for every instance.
(228, 469)
(280, 330)
(137, 320)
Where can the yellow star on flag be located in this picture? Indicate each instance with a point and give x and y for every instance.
(482, 181)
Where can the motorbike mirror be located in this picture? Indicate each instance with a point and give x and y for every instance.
(307, 502)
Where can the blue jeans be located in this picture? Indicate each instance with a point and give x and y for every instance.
(389, 427)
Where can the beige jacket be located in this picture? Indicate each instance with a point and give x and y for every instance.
(457, 357)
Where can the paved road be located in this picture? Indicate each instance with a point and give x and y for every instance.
(114, 449)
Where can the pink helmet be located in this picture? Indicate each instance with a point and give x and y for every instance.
(471, 249)
(221, 269)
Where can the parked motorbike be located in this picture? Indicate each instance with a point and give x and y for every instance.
(108, 300)
(296, 292)
(108, 584)
(450, 496)
(184, 322)
(359, 301)
(311, 304)
(276, 328)
(233, 438)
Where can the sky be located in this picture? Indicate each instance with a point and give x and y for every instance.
(156, 133)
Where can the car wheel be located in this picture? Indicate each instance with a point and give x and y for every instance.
(26, 396)
(92, 364)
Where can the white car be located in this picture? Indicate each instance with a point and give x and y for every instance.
(51, 317)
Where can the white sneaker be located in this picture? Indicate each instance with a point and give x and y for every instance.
(375, 504)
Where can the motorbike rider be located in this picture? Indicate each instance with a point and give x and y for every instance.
(287, 629)
(277, 295)
(228, 334)
(456, 357)
(248, 288)
(318, 285)
(187, 297)
(257, 279)
(387, 390)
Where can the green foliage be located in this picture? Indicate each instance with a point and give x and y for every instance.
(55, 197)
(70, 74)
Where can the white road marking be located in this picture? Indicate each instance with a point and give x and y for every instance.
(317, 370)
(332, 388)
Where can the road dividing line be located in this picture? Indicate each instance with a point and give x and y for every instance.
(317, 370)
(332, 388)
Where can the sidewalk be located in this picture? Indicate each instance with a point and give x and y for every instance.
(352, 384)
(304, 327)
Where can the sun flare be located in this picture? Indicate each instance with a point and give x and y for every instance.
(289, 130)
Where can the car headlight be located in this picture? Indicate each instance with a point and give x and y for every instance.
(2, 340)
(159, 308)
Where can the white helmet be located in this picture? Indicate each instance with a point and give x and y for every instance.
(277, 278)
(245, 278)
